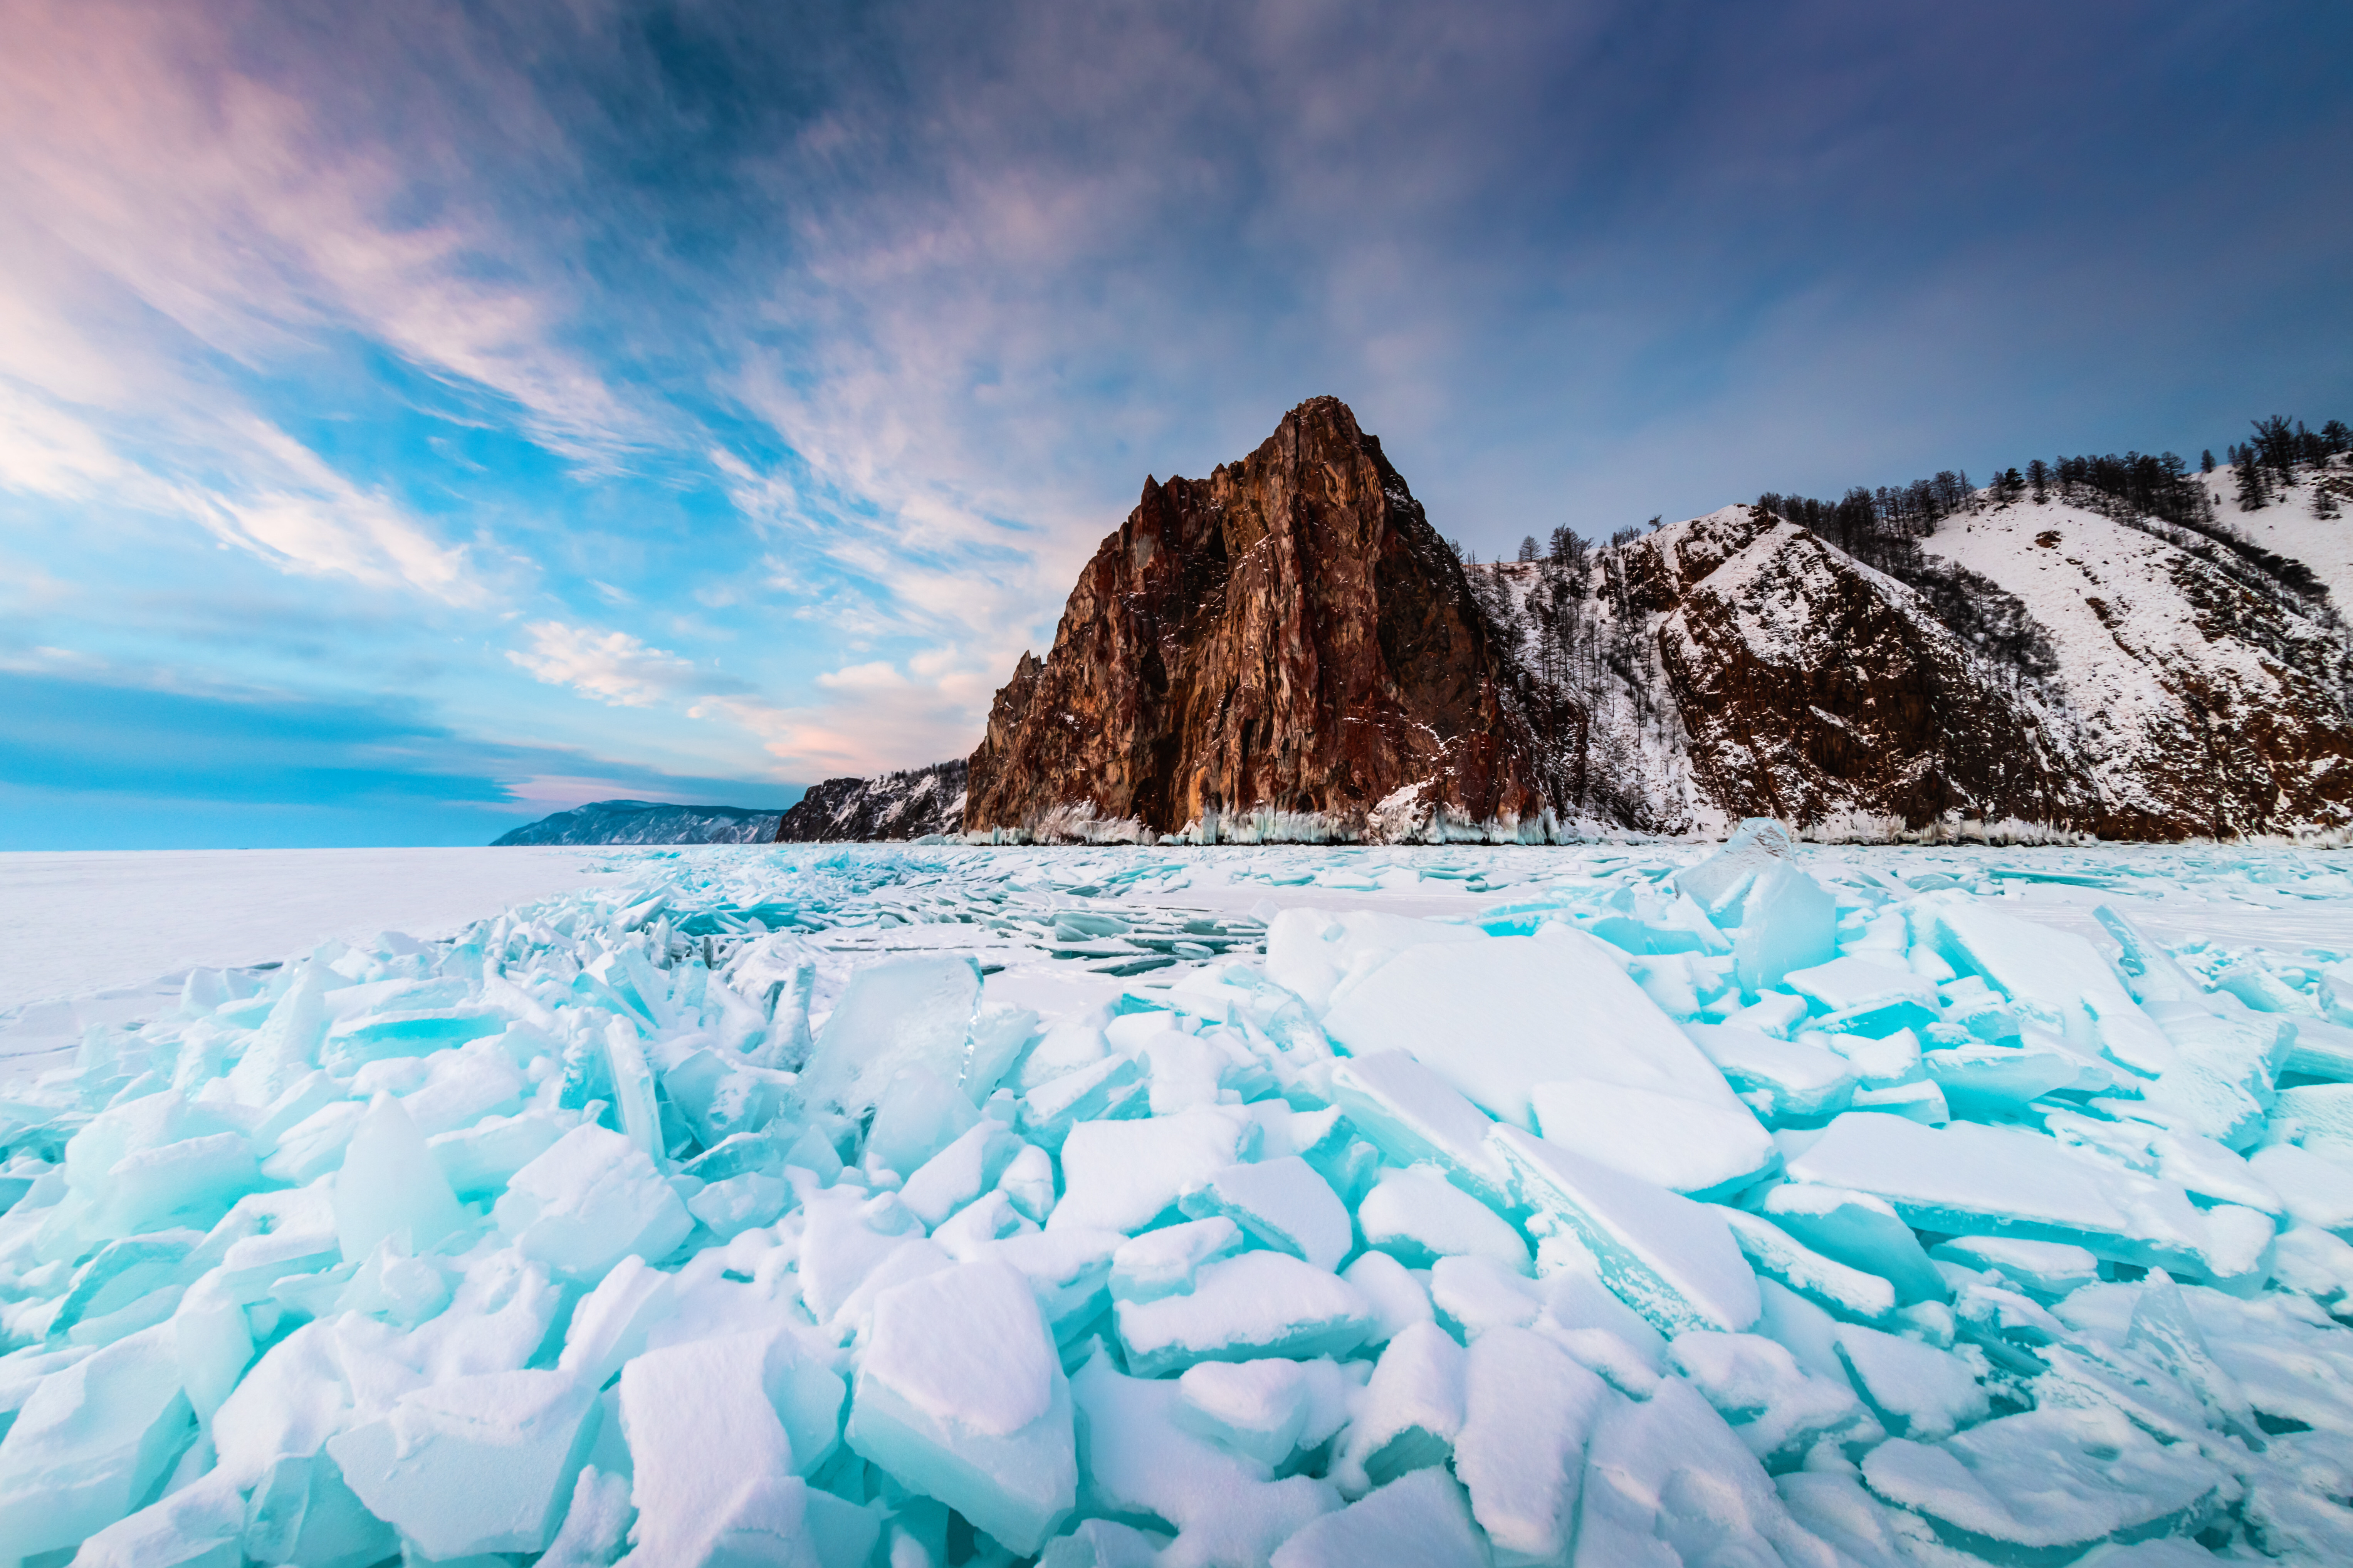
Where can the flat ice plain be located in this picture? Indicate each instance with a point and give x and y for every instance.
(1616, 1205)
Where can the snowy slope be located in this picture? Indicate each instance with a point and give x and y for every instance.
(2290, 523)
(2191, 698)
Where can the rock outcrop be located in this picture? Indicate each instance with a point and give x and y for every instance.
(912, 804)
(1287, 641)
(1287, 649)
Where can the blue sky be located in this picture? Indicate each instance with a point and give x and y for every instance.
(415, 419)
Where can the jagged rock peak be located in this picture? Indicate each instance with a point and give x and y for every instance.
(1288, 640)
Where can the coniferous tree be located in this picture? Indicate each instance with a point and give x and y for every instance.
(2206, 461)
(1528, 547)
(2251, 478)
(2038, 474)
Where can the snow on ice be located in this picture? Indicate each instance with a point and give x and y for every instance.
(1614, 1205)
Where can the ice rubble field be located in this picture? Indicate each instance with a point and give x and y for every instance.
(1611, 1205)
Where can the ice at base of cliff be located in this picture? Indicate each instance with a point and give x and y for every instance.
(1606, 1204)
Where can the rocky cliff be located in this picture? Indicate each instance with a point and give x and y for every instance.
(1287, 642)
(911, 804)
(1288, 649)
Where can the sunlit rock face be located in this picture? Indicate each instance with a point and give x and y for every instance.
(1288, 635)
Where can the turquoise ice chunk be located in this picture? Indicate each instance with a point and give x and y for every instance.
(919, 1114)
(1671, 1259)
(1410, 1115)
(1968, 1179)
(91, 1444)
(1280, 1202)
(1861, 1231)
(391, 1187)
(2045, 1487)
(896, 1014)
(1256, 1304)
(591, 1200)
(961, 1396)
(422, 1466)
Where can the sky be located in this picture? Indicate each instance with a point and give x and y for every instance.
(417, 418)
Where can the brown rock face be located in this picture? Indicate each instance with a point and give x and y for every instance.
(1288, 635)
(1814, 688)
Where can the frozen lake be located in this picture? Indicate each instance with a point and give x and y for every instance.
(1649, 1201)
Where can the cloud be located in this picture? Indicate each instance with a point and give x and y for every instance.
(257, 214)
(877, 718)
(612, 666)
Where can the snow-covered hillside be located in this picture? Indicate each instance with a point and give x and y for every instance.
(2045, 667)
(913, 803)
(2310, 521)
(2190, 695)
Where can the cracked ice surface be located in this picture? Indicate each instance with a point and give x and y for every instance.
(1630, 1204)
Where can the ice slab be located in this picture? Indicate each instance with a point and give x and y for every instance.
(1968, 1179)
(1264, 1410)
(91, 1444)
(1781, 1411)
(712, 1459)
(1280, 1203)
(1418, 1217)
(1126, 1175)
(1916, 1390)
(1411, 1114)
(1419, 1520)
(1498, 1018)
(2047, 1485)
(419, 1466)
(1311, 952)
(1139, 1462)
(1785, 1083)
(1410, 1412)
(1859, 1230)
(961, 1398)
(591, 1200)
(1163, 1262)
(1528, 1413)
(2056, 977)
(1671, 1259)
(1775, 1255)
(391, 1187)
(1670, 1468)
(896, 1014)
(2044, 1270)
(1255, 1304)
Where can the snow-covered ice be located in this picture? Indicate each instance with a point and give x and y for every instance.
(1182, 1206)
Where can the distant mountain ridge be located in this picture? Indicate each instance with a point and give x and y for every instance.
(647, 822)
